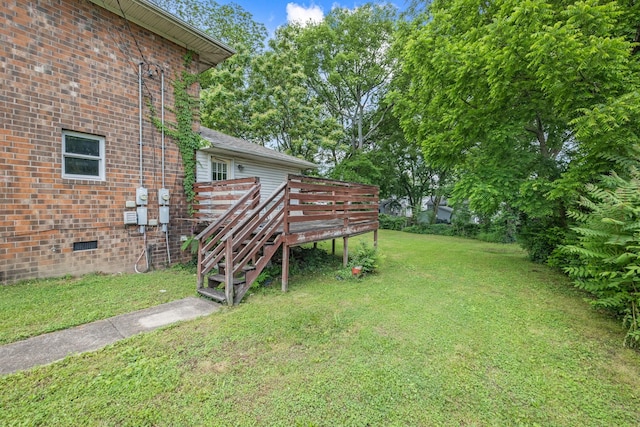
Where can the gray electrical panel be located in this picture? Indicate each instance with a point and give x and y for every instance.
(142, 196)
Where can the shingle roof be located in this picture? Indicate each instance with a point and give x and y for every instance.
(155, 19)
(221, 142)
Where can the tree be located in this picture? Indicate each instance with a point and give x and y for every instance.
(348, 67)
(226, 93)
(496, 89)
(228, 23)
(284, 113)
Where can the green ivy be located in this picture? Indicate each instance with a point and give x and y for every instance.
(185, 109)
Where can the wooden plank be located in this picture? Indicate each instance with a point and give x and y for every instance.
(285, 267)
(214, 294)
(293, 179)
(327, 189)
(308, 236)
(312, 197)
(370, 207)
(306, 218)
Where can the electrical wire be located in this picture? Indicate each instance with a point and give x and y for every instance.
(144, 253)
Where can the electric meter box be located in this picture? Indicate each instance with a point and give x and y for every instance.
(142, 215)
(163, 197)
(164, 215)
(142, 196)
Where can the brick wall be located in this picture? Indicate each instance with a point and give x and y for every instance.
(71, 65)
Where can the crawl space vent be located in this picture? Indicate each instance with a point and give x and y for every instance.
(85, 246)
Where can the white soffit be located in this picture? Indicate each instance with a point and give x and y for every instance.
(149, 16)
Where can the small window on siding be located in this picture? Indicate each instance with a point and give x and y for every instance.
(219, 170)
(82, 156)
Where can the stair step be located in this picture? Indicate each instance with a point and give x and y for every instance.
(216, 279)
(246, 268)
(214, 294)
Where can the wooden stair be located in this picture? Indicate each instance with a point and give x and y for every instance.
(235, 250)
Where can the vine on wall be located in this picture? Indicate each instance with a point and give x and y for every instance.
(188, 141)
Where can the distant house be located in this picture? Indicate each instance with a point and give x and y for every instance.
(228, 157)
(402, 207)
(82, 182)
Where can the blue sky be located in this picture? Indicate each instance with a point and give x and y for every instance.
(273, 13)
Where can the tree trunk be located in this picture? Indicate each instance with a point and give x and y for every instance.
(436, 207)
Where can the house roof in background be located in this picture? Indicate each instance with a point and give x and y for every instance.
(222, 143)
(157, 20)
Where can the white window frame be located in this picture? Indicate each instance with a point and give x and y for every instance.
(227, 163)
(100, 158)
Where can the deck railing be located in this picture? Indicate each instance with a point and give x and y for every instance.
(343, 205)
(213, 199)
(303, 209)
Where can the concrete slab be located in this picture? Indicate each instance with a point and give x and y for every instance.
(55, 346)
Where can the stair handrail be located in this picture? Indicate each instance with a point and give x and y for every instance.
(216, 224)
(251, 223)
(257, 210)
(206, 261)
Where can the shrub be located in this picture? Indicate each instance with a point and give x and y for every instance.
(540, 238)
(391, 222)
(609, 248)
(364, 256)
(439, 229)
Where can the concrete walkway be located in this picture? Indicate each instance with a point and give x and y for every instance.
(55, 346)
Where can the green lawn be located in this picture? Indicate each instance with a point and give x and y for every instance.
(38, 306)
(450, 332)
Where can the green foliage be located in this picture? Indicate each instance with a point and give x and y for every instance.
(358, 167)
(609, 247)
(229, 23)
(540, 237)
(522, 100)
(462, 223)
(348, 65)
(365, 256)
(188, 140)
(181, 132)
(439, 229)
(284, 113)
(392, 222)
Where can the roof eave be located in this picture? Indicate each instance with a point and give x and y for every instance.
(155, 19)
(299, 163)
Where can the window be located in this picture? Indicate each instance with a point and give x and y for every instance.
(82, 156)
(219, 170)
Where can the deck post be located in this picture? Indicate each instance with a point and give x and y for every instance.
(333, 246)
(285, 267)
(228, 271)
(200, 275)
(345, 251)
(375, 238)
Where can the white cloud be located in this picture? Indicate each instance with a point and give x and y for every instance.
(304, 15)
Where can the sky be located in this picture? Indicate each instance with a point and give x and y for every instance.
(273, 13)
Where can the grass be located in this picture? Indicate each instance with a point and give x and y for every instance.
(35, 307)
(449, 332)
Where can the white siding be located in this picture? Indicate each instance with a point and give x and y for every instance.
(271, 176)
(203, 166)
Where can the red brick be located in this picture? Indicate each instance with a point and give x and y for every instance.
(59, 76)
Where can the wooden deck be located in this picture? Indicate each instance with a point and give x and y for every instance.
(240, 234)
